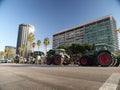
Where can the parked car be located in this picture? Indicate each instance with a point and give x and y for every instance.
(0, 61)
(3, 61)
(9, 60)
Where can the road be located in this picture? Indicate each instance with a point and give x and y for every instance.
(43, 77)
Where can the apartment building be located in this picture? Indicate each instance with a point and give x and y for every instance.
(101, 30)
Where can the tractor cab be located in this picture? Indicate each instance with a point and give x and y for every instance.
(100, 47)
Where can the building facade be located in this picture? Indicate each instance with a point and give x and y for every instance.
(23, 33)
(101, 30)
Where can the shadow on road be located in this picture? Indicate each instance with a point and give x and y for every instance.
(39, 65)
(34, 65)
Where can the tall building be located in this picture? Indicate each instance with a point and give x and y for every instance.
(23, 33)
(101, 30)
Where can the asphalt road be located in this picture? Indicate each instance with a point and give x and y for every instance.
(43, 77)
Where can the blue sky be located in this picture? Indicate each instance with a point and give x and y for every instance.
(50, 16)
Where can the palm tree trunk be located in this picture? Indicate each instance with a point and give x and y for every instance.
(38, 50)
(7, 55)
(33, 52)
(30, 47)
(46, 51)
(21, 54)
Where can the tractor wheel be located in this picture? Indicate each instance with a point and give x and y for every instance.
(49, 60)
(84, 61)
(117, 63)
(104, 59)
(57, 60)
(113, 61)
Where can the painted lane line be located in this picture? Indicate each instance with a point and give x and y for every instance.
(111, 83)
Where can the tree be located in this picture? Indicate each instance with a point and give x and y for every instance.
(20, 50)
(76, 49)
(89, 46)
(38, 44)
(8, 52)
(31, 39)
(24, 47)
(46, 43)
(2, 53)
(33, 46)
(66, 47)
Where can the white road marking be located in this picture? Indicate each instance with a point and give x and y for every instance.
(111, 83)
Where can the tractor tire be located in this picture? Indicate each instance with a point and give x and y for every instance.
(57, 60)
(104, 59)
(113, 62)
(49, 60)
(117, 63)
(84, 61)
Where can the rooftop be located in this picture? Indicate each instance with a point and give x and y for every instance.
(81, 25)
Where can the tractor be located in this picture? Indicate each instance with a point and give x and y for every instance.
(57, 57)
(99, 55)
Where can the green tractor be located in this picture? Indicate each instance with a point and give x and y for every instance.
(57, 57)
(99, 55)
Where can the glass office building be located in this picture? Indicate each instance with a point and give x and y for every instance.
(101, 30)
(23, 33)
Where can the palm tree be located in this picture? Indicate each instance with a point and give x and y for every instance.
(33, 46)
(8, 51)
(24, 47)
(2, 54)
(46, 43)
(20, 50)
(38, 44)
(31, 39)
